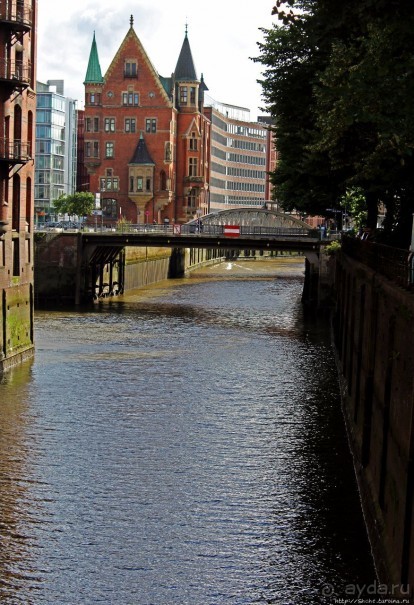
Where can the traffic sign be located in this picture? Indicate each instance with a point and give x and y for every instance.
(231, 230)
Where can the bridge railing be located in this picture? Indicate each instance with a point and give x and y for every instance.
(394, 263)
(217, 230)
(191, 229)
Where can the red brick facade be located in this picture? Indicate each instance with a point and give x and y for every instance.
(146, 138)
(17, 136)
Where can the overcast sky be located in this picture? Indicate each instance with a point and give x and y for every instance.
(223, 34)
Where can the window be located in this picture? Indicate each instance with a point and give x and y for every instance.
(130, 69)
(109, 208)
(193, 142)
(93, 98)
(192, 95)
(109, 149)
(183, 95)
(191, 199)
(96, 124)
(192, 167)
(139, 183)
(109, 183)
(150, 125)
(163, 180)
(88, 149)
(131, 183)
(130, 125)
(109, 124)
(148, 184)
(96, 149)
(130, 98)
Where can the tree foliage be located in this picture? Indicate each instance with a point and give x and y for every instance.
(339, 84)
(80, 203)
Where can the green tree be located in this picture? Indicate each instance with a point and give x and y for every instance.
(80, 203)
(354, 205)
(339, 85)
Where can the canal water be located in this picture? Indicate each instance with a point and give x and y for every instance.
(182, 445)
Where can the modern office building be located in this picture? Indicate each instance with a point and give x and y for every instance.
(56, 147)
(146, 137)
(242, 153)
(17, 125)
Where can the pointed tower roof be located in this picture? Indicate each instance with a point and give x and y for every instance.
(185, 69)
(93, 73)
(141, 154)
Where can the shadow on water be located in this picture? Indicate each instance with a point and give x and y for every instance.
(183, 445)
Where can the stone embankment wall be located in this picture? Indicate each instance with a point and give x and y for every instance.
(56, 265)
(373, 330)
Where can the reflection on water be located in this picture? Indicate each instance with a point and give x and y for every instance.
(182, 445)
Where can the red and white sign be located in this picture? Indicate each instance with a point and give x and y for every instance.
(231, 230)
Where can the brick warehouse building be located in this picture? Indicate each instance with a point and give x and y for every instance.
(17, 123)
(146, 138)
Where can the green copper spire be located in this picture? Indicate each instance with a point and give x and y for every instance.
(93, 73)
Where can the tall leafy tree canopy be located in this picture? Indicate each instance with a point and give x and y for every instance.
(338, 81)
(80, 203)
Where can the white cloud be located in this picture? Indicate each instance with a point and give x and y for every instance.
(223, 34)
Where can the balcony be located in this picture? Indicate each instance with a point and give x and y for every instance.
(194, 181)
(15, 152)
(15, 74)
(18, 18)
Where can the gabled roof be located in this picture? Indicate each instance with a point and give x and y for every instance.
(93, 73)
(185, 69)
(131, 35)
(192, 127)
(141, 154)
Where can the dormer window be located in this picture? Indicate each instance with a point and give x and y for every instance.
(130, 69)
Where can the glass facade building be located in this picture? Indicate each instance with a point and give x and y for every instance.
(239, 157)
(56, 147)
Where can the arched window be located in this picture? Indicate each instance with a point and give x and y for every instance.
(17, 132)
(30, 150)
(163, 180)
(16, 203)
(29, 202)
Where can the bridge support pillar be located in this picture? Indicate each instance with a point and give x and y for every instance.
(177, 263)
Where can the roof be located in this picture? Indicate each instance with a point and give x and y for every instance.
(167, 84)
(160, 83)
(185, 69)
(141, 154)
(93, 73)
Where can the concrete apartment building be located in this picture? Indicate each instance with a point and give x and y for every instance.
(242, 153)
(146, 138)
(17, 126)
(56, 147)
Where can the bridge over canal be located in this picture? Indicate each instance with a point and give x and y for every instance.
(230, 230)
